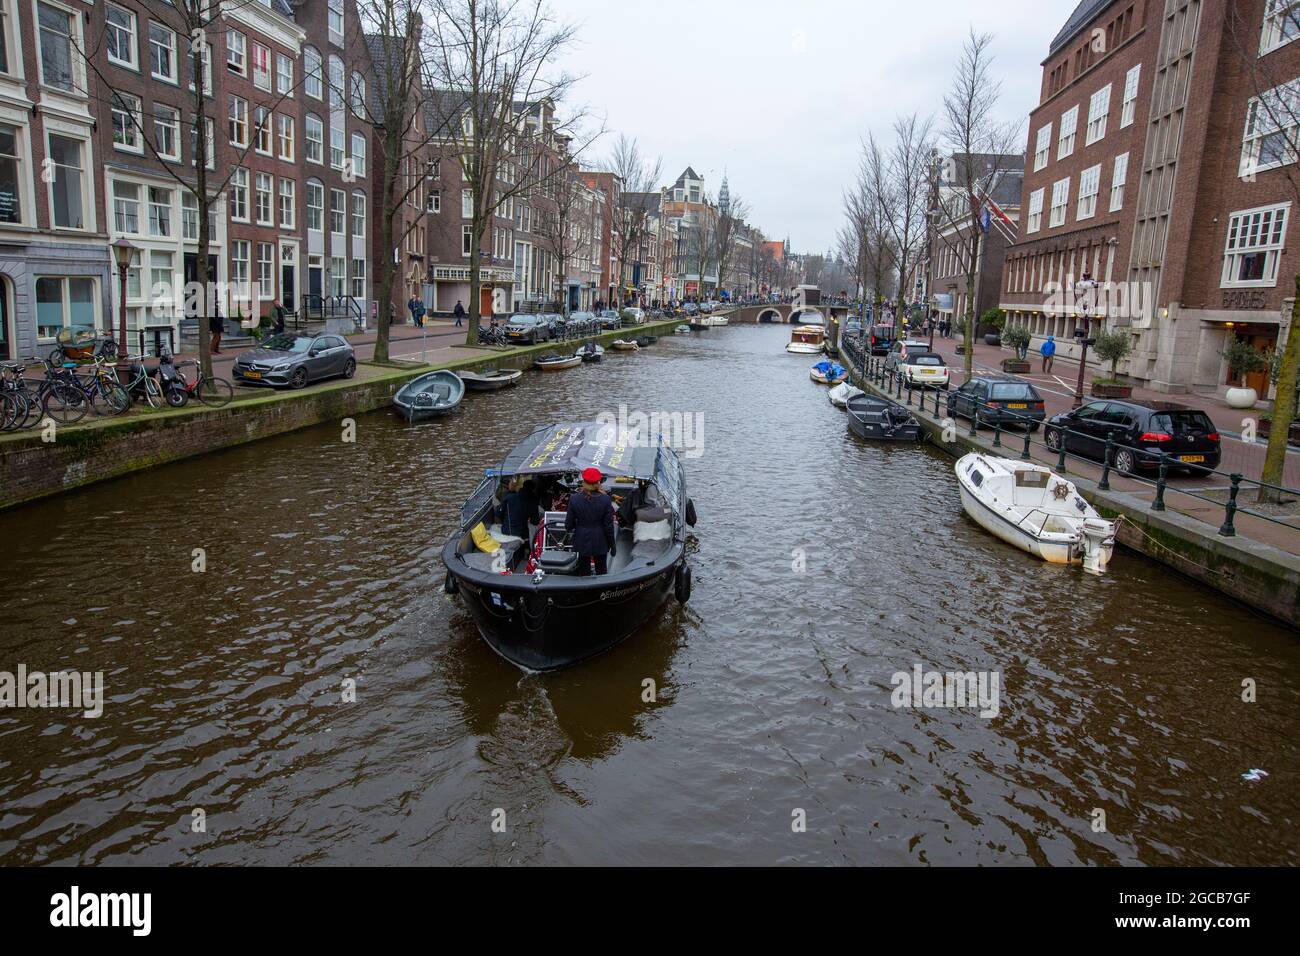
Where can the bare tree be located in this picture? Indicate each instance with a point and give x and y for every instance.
(907, 193)
(494, 63)
(731, 220)
(561, 223)
(630, 210)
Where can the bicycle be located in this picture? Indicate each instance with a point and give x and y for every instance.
(211, 391)
(22, 405)
(142, 383)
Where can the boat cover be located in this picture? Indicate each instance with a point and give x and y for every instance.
(563, 449)
(829, 368)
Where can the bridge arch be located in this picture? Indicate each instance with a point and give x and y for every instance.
(770, 315)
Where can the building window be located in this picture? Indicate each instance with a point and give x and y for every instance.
(288, 204)
(262, 131)
(1281, 24)
(1271, 122)
(161, 265)
(358, 154)
(1129, 109)
(1034, 222)
(359, 214)
(126, 208)
(338, 147)
(357, 95)
(1089, 187)
(56, 32)
(264, 190)
(1098, 112)
(6, 31)
(239, 195)
(358, 278)
(284, 75)
(189, 216)
(162, 53)
(236, 53)
(265, 263)
(160, 212)
(336, 22)
(466, 240)
(13, 177)
(64, 303)
(336, 84)
(315, 205)
(1255, 240)
(209, 142)
(68, 184)
(239, 253)
(1069, 126)
(261, 67)
(315, 139)
(338, 276)
(119, 36)
(434, 204)
(285, 136)
(312, 78)
(1060, 199)
(207, 69)
(237, 110)
(338, 212)
(167, 132)
(466, 204)
(1043, 147)
(1117, 180)
(127, 123)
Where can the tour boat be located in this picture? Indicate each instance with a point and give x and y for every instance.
(591, 352)
(827, 372)
(624, 345)
(490, 380)
(1034, 509)
(881, 419)
(840, 394)
(429, 395)
(550, 362)
(807, 340)
(717, 321)
(526, 598)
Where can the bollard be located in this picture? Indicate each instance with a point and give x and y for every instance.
(974, 417)
(997, 432)
(1060, 459)
(1104, 484)
(1230, 509)
(1024, 455)
(909, 393)
(1159, 503)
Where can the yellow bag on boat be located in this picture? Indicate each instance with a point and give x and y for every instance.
(483, 540)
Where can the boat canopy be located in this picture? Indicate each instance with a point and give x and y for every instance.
(563, 449)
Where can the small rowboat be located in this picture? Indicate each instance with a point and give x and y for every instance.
(553, 363)
(682, 330)
(881, 419)
(490, 380)
(591, 352)
(828, 373)
(430, 395)
(624, 345)
(840, 394)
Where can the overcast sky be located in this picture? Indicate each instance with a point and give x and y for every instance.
(779, 93)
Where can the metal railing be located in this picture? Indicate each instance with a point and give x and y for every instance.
(875, 370)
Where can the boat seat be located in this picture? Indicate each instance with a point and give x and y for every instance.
(558, 562)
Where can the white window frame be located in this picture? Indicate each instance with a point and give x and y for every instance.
(338, 211)
(1069, 132)
(285, 137)
(1272, 247)
(315, 186)
(263, 131)
(1034, 220)
(284, 75)
(132, 32)
(1279, 16)
(288, 203)
(266, 270)
(313, 73)
(1060, 203)
(173, 53)
(1132, 82)
(359, 155)
(309, 141)
(1118, 180)
(1260, 126)
(264, 199)
(1098, 113)
(237, 120)
(76, 62)
(87, 189)
(1043, 147)
(157, 210)
(125, 208)
(336, 22)
(359, 214)
(236, 53)
(1089, 190)
(132, 108)
(261, 77)
(239, 205)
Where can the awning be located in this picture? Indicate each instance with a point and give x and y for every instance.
(568, 449)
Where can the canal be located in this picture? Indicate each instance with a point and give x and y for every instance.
(823, 566)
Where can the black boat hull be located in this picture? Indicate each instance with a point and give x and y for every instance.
(562, 624)
(872, 431)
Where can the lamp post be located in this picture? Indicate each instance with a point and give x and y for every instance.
(123, 251)
(1084, 287)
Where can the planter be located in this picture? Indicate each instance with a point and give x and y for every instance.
(992, 338)
(1111, 391)
(1241, 398)
(1016, 366)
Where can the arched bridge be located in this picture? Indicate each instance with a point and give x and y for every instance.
(783, 313)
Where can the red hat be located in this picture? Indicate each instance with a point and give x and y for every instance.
(592, 475)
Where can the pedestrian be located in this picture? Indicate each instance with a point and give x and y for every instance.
(459, 312)
(278, 312)
(520, 508)
(416, 307)
(1048, 348)
(216, 325)
(590, 519)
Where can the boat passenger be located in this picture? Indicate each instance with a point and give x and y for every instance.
(590, 519)
(520, 508)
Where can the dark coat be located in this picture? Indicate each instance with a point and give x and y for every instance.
(517, 509)
(591, 518)
(459, 310)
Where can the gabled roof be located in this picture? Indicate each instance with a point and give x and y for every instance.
(1082, 15)
(687, 174)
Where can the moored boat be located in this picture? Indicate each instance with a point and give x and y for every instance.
(827, 372)
(591, 352)
(840, 394)
(682, 329)
(429, 395)
(880, 419)
(1034, 509)
(624, 345)
(526, 598)
(550, 362)
(490, 380)
(806, 340)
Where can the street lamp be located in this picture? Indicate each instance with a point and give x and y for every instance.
(123, 252)
(1084, 287)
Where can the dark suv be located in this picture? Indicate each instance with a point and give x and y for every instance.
(1000, 399)
(882, 337)
(1141, 431)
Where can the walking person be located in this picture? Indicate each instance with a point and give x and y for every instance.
(459, 312)
(278, 312)
(1048, 349)
(216, 325)
(416, 308)
(590, 519)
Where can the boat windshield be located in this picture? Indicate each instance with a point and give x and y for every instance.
(1029, 478)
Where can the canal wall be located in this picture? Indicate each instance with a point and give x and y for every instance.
(1257, 574)
(91, 451)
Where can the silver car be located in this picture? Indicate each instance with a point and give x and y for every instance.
(296, 358)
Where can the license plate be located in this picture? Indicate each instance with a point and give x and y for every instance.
(252, 374)
(1017, 405)
(1191, 458)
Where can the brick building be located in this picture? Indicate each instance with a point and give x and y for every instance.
(1154, 171)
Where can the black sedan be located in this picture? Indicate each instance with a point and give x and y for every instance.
(1141, 432)
(997, 399)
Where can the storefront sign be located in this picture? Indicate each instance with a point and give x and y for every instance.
(1245, 299)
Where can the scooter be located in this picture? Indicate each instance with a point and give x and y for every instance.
(171, 382)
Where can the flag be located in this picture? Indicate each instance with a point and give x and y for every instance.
(984, 220)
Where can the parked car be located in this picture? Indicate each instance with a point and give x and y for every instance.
(295, 358)
(690, 308)
(997, 399)
(1141, 430)
(896, 347)
(882, 337)
(637, 316)
(609, 319)
(924, 369)
(528, 328)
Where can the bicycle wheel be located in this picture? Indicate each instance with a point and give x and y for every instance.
(152, 393)
(117, 398)
(214, 392)
(8, 412)
(65, 403)
(31, 408)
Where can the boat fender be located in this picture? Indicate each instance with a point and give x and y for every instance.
(690, 512)
(682, 586)
(449, 585)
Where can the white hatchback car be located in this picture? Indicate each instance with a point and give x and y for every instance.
(922, 369)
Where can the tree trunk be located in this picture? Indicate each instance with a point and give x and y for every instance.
(1284, 406)
(475, 281)
(968, 358)
(205, 205)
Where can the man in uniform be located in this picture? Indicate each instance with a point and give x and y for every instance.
(591, 521)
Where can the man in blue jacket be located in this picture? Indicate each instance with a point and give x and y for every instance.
(591, 521)
(1048, 348)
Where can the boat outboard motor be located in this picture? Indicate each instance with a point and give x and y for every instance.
(1097, 542)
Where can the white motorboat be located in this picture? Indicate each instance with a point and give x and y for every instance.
(841, 393)
(1035, 509)
(715, 321)
(807, 340)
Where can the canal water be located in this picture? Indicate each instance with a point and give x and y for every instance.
(823, 567)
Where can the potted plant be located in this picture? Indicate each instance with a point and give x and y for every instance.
(1017, 338)
(1243, 360)
(993, 319)
(1112, 346)
(961, 344)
